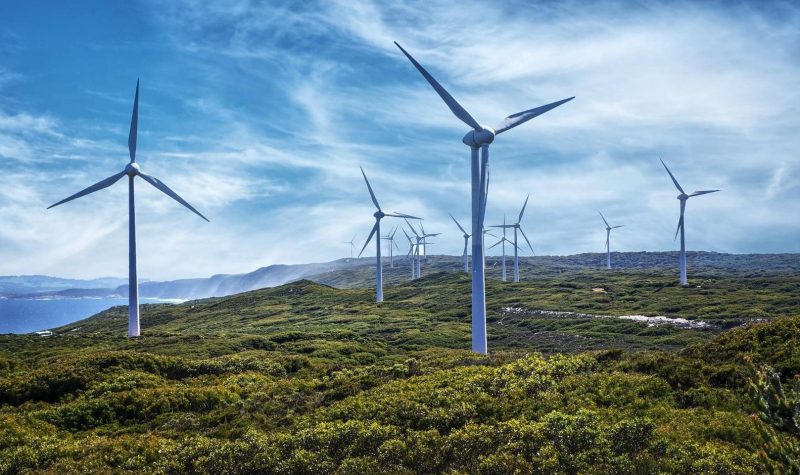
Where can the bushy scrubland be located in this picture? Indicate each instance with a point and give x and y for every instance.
(308, 379)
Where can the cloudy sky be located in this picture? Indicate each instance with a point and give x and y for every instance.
(259, 114)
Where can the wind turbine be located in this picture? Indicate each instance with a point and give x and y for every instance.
(608, 239)
(477, 139)
(411, 255)
(517, 227)
(133, 170)
(502, 241)
(390, 237)
(379, 214)
(682, 198)
(466, 244)
(352, 246)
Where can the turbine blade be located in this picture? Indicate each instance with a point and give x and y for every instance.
(372, 233)
(620, 226)
(604, 218)
(134, 125)
(526, 239)
(459, 226)
(523, 209)
(680, 224)
(165, 189)
(401, 215)
(495, 244)
(465, 246)
(371, 194)
(521, 117)
(454, 106)
(412, 228)
(677, 185)
(97, 186)
(703, 192)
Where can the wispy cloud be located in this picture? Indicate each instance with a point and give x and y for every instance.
(259, 113)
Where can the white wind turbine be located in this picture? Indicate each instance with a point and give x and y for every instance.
(608, 239)
(390, 239)
(421, 243)
(503, 240)
(379, 214)
(517, 228)
(682, 198)
(477, 139)
(352, 245)
(132, 170)
(411, 255)
(466, 244)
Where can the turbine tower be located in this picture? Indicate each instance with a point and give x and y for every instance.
(478, 139)
(682, 198)
(390, 238)
(411, 255)
(608, 239)
(379, 214)
(421, 239)
(517, 228)
(352, 245)
(132, 170)
(466, 244)
(502, 241)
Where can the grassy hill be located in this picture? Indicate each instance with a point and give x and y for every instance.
(307, 378)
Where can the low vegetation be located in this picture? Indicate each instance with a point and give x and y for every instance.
(305, 378)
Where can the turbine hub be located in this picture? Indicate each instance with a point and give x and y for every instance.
(476, 138)
(683, 197)
(378, 214)
(132, 169)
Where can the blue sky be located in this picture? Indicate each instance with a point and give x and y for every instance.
(259, 114)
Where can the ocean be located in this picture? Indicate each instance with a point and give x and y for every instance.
(28, 315)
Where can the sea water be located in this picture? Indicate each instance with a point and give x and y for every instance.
(30, 315)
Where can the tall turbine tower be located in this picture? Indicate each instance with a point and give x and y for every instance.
(379, 214)
(352, 245)
(682, 198)
(477, 139)
(608, 240)
(503, 240)
(517, 228)
(466, 244)
(132, 170)
(411, 255)
(390, 239)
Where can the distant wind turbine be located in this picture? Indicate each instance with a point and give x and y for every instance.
(421, 238)
(477, 139)
(682, 198)
(132, 170)
(608, 239)
(503, 240)
(411, 255)
(517, 228)
(466, 244)
(390, 238)
(379, 214)
(352, 245)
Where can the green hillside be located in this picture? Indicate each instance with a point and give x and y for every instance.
(306, 378)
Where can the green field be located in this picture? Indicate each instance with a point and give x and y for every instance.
(307, 378)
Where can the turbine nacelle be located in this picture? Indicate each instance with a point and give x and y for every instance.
(379, 214)
(683, 197)
(132, 169)
(476, 138)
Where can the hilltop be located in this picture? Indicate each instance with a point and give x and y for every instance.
(348, 273)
